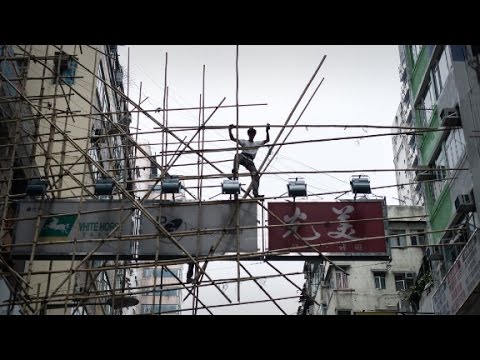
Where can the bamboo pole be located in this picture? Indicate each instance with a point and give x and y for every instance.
(236, 171)
(261, 288)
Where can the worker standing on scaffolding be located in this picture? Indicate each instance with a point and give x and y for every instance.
(245, 158)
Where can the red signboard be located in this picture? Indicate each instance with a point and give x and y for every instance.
(338, 227)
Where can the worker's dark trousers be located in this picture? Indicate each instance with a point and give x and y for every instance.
(248, 163)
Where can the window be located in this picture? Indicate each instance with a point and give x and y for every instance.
(156, 309)
(344, 312)
(379, 279)
(341, 280)
(403, 282)
(454, 147)
(443, 67)
(22, 67)
(153, 170)
(164, 292)
(452, 150)
(398, 238)
(168, 273)
(417, 238)
(440, 173)
(64, 68)
(103, 94)
(147, 273)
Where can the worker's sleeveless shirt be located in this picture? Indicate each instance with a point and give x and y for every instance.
(252, 151)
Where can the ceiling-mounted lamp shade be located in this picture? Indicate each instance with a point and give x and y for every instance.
(104, 187)
(231, 187)
(171, 185)
(36, 187)
(297, 187)
(122, 301)
(360, 184)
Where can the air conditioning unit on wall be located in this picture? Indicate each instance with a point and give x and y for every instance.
(450, 117)
(424, 173)
(464, 203)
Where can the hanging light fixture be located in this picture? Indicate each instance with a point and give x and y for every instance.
(231, 187)
(36, 187)
(297, 187)
(104, 186)
(171, 185)
(360, 184)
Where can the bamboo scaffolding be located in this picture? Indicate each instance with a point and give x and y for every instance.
(100, 294)
(58, 170)
(237, 204)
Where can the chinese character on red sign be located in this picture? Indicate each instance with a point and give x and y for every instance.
(336, 226)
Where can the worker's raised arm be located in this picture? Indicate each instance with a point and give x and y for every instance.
(268, 135)
(230, 127)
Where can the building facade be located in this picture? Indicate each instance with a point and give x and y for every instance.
(445, 97)
(60, 102)
(405, 149)
(160, 287)
(355, 287)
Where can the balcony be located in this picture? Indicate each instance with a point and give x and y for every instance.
(341, 298)
(461, 282)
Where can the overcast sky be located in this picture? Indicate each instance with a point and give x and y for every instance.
(361, 86)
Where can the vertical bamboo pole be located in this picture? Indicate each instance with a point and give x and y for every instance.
(161, 292)
(201, 124)
(62, 161)
(237, 202)
(49, 278)
(85, 163)
(199, 192)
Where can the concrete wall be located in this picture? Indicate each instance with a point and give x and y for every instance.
(72, 116)
(404, 148)
(361, 295)
(76, 118)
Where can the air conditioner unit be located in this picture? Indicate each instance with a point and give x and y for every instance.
(424, 173)
(410, 275)
(464, 203)
(450, 117)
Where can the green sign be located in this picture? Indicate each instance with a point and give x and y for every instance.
(58, 226)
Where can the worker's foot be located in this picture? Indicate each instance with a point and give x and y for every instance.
(259, 196)
(233, 177)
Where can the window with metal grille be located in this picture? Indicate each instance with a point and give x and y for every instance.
(64, 68)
